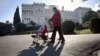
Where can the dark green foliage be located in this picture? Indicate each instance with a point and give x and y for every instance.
(95, 25)
(16, 18)
(86, 25)
(32, 23)
(5, 28)
(98, 11)
(68, 27)
(78, 26)
(20, 27)
(33, 27)
(37, 27)
(87, 17)
(29, 29)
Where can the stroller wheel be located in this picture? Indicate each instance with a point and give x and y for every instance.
(33, 36)
(44, 42)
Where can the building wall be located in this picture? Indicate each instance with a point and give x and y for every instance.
(33, 13)
(80, 12)
(38, 13)
(68, 15)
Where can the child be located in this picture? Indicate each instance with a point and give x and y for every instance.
(41, 33)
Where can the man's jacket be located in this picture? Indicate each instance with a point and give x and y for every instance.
(56, 18)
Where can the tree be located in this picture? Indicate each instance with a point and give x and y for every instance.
(7, 22)
(98, 11)
(33, 26)
(20, 27)
(84, 0)
(32, 23)
(87, 17)
(68, 27)
(16, 18)
(95, 25)
(5, 28)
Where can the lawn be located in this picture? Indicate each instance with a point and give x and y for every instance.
(85, 31)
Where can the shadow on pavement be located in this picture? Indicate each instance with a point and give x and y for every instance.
(27, 52)
(51, 50)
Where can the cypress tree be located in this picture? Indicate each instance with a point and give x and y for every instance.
(16, 18)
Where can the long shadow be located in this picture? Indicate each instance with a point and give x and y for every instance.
(53, 50)
(27, 52)
(59, 50)
(31, 51)
(50, 51)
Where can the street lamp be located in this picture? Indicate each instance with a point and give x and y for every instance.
(82, 0)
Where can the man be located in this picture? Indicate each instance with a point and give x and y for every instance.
(56, 19)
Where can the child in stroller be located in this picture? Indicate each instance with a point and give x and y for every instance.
(42, 33)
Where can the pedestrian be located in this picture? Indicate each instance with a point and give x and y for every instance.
(56, 19)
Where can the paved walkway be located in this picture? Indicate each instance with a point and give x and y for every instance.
(21, 45)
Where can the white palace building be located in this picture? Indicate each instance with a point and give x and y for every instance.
(38, 12)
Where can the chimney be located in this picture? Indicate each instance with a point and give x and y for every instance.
(62, 8)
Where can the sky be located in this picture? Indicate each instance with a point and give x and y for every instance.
(8, 7)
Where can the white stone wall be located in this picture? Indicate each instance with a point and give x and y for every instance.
(80, 12)
(68, 15)
(38, 13)
(33, 13)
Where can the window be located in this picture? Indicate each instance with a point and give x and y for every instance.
(82, 13)
(27, 12)
(24, 12)
(27, 19)
(75, 16)
(22, 20)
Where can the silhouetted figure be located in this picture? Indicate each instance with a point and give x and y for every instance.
(56, 19)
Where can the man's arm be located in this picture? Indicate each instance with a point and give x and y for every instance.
(50, 20)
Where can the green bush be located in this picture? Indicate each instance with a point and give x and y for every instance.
(5, 29)
(95, 25)
(68, 27)
(78, 26)
(20, 27)
(32, 28)
(86, 25)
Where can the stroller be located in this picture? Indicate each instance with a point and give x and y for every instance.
(42, 33)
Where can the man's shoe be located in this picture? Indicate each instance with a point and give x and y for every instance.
(59, 39)
(50, 38)
(51, 41)
(63, 41)
(33, 36)
(44, 42)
